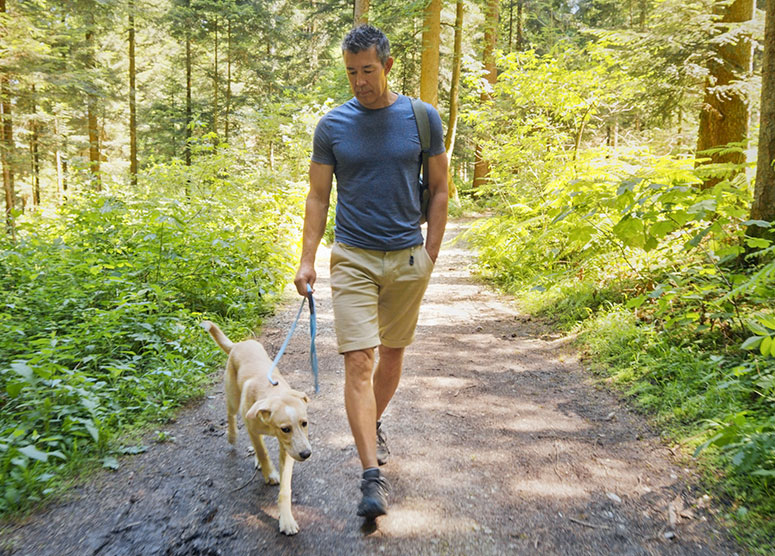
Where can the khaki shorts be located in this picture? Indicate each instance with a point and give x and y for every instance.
(377, 295)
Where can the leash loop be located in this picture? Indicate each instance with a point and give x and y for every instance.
(312, 332)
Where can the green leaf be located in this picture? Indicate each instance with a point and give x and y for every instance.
(23, 370)
(33, 453)
(766, 346)
(711, 440)
(636, 301)
(760, 223)
(757, 243)
(630, 230)
(766, 320)
(707, 205)
(757, 328)
(662, 228)
(13, 388)
(110, 462)
(752, 342)
(695, 241)
(92, 430)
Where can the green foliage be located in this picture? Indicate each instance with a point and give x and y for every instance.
(673, 299)
(101, 302)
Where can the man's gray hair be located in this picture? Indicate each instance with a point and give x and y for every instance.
(364, 37)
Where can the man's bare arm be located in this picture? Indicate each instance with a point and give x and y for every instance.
(321, 177)
(437, 207)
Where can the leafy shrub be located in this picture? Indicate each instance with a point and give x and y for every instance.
(100, 304)
(674, 300)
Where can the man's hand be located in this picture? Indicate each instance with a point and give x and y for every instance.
(305, 275)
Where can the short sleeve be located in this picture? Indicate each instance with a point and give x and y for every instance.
(437, 133)
(322, 152)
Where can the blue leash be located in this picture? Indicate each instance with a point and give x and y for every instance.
(313, 356)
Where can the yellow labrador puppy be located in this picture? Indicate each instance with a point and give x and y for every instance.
(266, 410)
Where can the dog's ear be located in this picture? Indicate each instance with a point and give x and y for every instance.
(301, 395)
(261, 410)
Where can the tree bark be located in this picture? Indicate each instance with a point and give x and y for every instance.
(92, 107)
(187, 147)
(482, 166)
(454, 92)
(520, 34)
(228, 81)
(215, 83)
(763, 207)
(132, 98)
(35, 148)
(360, 12)
(725, 111)
(7, 146)
(429, 61)
(91, 113)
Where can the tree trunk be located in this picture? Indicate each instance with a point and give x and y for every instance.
(429, 61)
(35, 149)
(132, 98)
(215, 83)
(511, 26)
(187, 148)
(360, 12)
(454, 92)
(91, 114)
(725, 110)
(7, 146)
(61, 163)
(482, 166)
(228, 81)
(763, 207)
(520, 35)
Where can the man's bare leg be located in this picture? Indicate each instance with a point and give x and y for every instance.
(386, 377)
(360, 403)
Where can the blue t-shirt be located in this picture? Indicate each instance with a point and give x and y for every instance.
(376, 157)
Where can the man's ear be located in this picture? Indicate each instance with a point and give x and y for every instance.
(388, 64)
(260, 410)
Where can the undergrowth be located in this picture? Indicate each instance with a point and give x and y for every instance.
(672, 302)
(100, 302)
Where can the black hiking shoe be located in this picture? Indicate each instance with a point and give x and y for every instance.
(375, 491)
(383, 453)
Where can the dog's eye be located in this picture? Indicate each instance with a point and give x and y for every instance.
(286, 430)
(303, 423)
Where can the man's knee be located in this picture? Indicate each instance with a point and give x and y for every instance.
(359, 364)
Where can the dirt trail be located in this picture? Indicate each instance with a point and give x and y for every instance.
(501, 445)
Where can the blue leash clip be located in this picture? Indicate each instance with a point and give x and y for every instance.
(313, 356)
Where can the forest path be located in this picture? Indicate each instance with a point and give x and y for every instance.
(501, 444)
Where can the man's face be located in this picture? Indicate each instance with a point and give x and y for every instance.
(368, 77)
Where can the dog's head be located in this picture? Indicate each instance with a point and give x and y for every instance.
(285, 414)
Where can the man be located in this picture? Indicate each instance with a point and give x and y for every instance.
(379, 265)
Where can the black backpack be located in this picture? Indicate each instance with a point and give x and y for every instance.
(424, 129)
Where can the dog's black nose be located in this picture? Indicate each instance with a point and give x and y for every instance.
(305, 454)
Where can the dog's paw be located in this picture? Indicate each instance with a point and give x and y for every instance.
(272, 478)
(288, 525)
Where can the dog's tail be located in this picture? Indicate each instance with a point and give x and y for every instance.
(220, 338)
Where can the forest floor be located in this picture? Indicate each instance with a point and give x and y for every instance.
(501, 444)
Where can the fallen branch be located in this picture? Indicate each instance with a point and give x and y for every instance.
(587, 523)
(249, 481)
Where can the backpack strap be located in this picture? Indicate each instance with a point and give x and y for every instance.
(424, 129)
